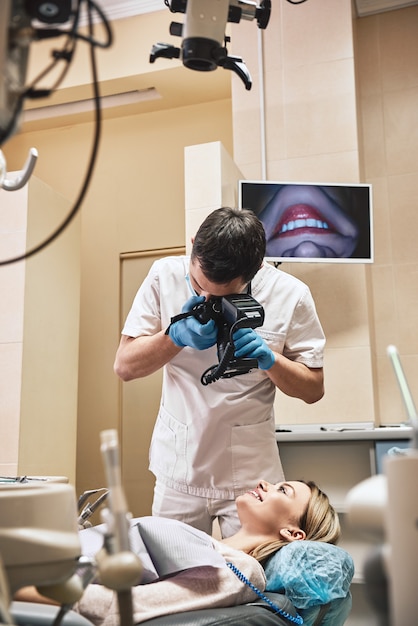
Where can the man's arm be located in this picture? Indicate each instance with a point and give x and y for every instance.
(137, 357)
(296, 379)
(144, 355)
(293, 378)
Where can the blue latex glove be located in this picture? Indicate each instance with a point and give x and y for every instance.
(249, 344)
(190, 332)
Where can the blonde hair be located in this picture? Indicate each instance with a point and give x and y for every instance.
(320, 522)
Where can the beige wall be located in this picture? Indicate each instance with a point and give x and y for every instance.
(13, 223)
(210, 181)
(341, 105)
(388, 97)
(311, 135)
(39, 313)
(315, 79)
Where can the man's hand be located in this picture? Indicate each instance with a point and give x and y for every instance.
(190, 332)
(249, 344)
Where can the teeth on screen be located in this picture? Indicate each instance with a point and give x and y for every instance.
(303, 223)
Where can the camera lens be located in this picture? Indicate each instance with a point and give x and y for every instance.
(208, 310)
(216, 305)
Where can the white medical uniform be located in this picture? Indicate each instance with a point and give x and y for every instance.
(213, 441)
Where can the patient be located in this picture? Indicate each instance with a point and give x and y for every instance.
(271, 517)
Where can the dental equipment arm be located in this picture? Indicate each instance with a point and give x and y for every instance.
(402, 514)
(387, 506)
(119, 568)
(406, 395)
(89, 509)
(23, 176)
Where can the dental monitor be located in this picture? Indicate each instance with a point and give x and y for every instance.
(312, 222)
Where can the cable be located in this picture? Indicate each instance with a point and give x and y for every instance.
(221, 370)
(62, 612)
(96, 140)
(215, 372)
(295, 619)
(58, 55)
(30, 92)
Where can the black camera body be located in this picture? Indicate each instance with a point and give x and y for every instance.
(230, 313)
(237, 307)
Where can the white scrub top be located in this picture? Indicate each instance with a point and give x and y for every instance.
(215, 440)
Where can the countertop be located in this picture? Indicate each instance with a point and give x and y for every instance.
(332, 432)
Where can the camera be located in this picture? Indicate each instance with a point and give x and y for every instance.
(208, 310)
(229, 313)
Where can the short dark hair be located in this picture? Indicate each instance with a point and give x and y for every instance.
(230, 243)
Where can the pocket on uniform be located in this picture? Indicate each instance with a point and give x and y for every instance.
(255, 453)
(169, 446)
(274, 340)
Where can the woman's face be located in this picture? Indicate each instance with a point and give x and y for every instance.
(309, 221)
(269, 508)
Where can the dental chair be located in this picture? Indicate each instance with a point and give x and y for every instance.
(313, 576)
(40, 545)
(255, 614)
(41, 549)
(258, 613)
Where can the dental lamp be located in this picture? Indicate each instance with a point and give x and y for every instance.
(21, 25)
(24, 22)
(39, 540)
(16, 34)
(204, 41)
(14, 50)
(40, 544)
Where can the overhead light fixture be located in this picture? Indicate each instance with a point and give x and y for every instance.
(203, 46)
(84, 106)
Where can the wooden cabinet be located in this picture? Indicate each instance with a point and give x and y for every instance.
(337, 460)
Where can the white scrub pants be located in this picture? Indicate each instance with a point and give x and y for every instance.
(194, 510)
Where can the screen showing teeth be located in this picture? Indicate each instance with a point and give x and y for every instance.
(312, 221)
